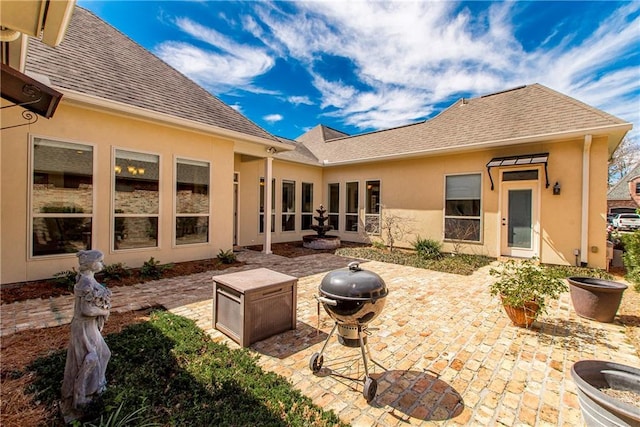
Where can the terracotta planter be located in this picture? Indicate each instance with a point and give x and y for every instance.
(598, 408)
(522, 316)
(596, 299)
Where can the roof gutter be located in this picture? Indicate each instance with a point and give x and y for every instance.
(578, 133)
(79, 98)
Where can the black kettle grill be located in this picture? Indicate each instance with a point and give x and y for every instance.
(353, 298)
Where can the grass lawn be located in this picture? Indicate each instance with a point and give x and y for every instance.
(168, 372)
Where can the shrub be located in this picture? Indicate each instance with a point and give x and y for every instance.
(522, 281)
(379, 245)
(66, 279)
(152, 269)
(631, 257)
(227, 257)
(427, 248)
(115, 271)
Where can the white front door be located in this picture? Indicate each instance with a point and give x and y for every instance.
(519, 229)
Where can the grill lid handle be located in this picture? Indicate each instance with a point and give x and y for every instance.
(354, 266)
(327, 301)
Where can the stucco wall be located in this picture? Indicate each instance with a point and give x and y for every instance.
(250, 174)
(106, 132)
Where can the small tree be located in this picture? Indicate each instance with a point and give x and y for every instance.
(393, 227)
(623, 159)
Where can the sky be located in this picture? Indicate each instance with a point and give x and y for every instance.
(359, 66)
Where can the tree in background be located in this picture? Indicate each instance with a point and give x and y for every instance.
(624, 158)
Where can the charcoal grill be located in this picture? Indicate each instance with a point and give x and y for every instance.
(352, 297)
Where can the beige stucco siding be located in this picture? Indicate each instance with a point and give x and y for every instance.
(413, 191)
(250, 173)
(107, 132)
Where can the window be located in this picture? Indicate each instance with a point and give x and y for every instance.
(333, 207)
(637, 187)
(192, 202)
(462, 207)
(372, 208)
(273, 205)
(136, 200)
(61, 197)
(351, 217)
(307, 206)
(288, 205)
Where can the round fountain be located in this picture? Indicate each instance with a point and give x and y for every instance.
(321, 240)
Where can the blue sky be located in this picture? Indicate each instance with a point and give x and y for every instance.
(361, 66)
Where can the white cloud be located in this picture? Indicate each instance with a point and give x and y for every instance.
(273, 118)
(226, 64)
(409, 56)
(297, 100)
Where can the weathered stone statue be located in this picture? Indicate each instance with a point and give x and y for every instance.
(88, 354)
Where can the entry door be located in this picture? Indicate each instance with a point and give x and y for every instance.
(519, 219)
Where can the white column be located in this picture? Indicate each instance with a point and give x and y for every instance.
(584, 235)
(268, 172)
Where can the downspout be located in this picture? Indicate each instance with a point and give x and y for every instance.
(268, 167)
(584, 237)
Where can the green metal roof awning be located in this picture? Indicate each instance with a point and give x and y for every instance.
(528, 159)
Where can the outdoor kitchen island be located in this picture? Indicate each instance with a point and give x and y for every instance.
(252, 305)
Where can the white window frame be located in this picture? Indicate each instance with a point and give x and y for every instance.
(304, 213)
(368, 215)
(112, 215)
(346, 206)
(479, 217)
(331, 213)
(30, 248)
(294, 213)
(176, 215)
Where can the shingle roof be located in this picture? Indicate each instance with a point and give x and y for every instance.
(300, 153)
(321, 133)
(528, 111)
(98, 60)
(620, 191)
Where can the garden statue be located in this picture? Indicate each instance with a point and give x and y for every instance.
(88, 354)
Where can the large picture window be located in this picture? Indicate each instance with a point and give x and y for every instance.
(61, 197)
(333, 207)
(136, 200)
(192, 201)
(351, 216)
(372, 208)
(273, 205)
(307, 206)
(288, 205)
(462, 207)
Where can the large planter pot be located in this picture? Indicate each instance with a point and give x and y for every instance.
(522, 316)
(598, 408)
(596, 299)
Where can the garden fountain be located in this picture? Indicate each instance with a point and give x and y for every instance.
(321, 240)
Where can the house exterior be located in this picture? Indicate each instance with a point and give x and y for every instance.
(141, 162)
(624, 196)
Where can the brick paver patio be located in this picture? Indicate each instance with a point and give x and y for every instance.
(450, 354)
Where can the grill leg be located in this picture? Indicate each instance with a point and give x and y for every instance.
(362, 349)
(328, 338)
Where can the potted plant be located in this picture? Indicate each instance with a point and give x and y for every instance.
(525, 288)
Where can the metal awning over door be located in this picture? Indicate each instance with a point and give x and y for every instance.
(522, 160)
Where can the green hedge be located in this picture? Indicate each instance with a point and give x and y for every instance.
(631, 257)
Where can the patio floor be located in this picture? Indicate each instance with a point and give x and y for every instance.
(450, 354)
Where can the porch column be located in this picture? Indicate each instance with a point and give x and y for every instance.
(268, 174)
(584, 235)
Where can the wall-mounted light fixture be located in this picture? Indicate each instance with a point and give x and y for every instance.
(556, 189)
(271, 150)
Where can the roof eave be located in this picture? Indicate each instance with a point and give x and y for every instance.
(85, 100)
(620, 129)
